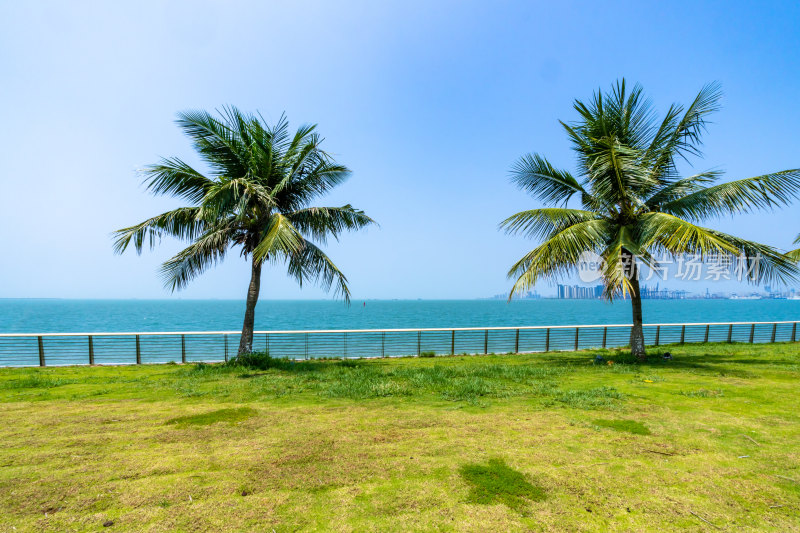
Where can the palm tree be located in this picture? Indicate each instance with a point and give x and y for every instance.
(634, 203)
(256, 196)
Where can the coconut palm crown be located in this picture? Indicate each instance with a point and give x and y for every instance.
(257, 198)
(634, 204)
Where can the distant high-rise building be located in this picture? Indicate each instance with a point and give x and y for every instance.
(578, 292)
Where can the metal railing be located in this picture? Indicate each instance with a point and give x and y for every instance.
(55, 349)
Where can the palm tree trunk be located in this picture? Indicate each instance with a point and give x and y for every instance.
(637, 332)
(246, 342)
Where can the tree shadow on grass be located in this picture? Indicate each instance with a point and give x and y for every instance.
(627, 426)
(683, 357)
(249, 365)
(221, 415)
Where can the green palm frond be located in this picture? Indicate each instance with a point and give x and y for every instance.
(311, 263)
(176, 178)
(633, 114)
(297, 161)
(544, 223)
(740, 196)
(536, 176)
(675, 236)
(303, 137)
(626, 116)
(310, 184)
(207, 250)
(615, 175)
(279, 238)
(682, 138)
(216, 141)
(182, 223)
(239, 196)
(319, 222)
(794, 255)
(767, 263)
(661, 231)
(660, 154)
(559, 254)
(304, 153)
(681, 187)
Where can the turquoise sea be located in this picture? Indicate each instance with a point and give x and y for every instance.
(71, 316)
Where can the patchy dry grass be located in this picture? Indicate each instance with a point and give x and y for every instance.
(398, 445)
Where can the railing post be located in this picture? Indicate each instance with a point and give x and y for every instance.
(658, 334)
(419, 343)
(577, 332)
(453, 342)
(794, 332)
(344, 345)
(683, 333)
(41, 351)
(383, 344)
(183, 348)
(91, 350)
(774, 330)
(266, 342)
(516, 342)
(138, 351)
(705, 339)
(605, 335)
(752, 333)
(730, 333)
(306, 345)
(485, 342)
(225, 339)
(547, 341)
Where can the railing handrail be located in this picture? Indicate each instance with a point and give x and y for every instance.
(395, 330)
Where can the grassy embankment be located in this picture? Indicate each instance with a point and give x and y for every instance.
(484, 443)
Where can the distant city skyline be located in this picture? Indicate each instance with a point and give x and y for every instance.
(584, 291)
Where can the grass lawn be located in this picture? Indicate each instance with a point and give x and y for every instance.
(481, 443)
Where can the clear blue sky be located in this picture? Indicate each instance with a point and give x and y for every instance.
(428, 103)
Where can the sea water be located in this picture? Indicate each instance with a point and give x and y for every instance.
(72, 316)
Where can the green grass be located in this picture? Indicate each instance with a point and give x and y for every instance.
(232, 415)
(497, 482)
(594, 398)
(476, 443)
(630, 426)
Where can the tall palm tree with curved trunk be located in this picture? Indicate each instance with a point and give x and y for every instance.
(632, 203)
(256, 197)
